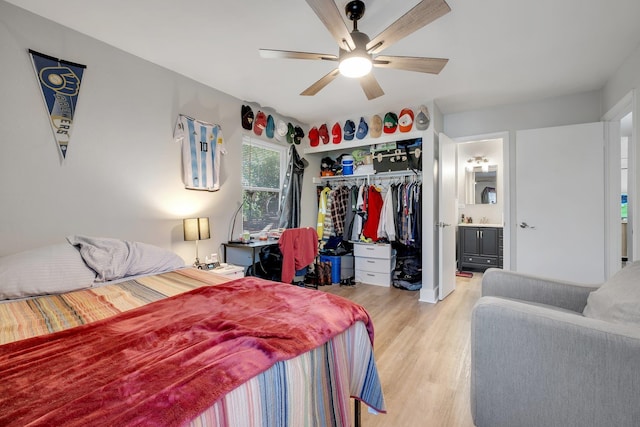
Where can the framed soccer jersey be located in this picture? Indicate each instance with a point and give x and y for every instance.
(202, 147)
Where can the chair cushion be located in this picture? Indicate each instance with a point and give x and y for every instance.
(618, 299)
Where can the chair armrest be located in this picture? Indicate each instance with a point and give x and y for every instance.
(563, 294)
(538, 366)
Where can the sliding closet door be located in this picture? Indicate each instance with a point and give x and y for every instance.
(559, 208)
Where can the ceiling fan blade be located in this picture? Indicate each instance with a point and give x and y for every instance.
(410, 63)
(422, 14)
(370, 86)
(320, 84)
(330, 16)
(289, 54)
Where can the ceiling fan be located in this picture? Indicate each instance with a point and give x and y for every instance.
(358, 53)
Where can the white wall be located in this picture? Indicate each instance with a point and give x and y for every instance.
(122, 174)
(626, 78)
(563, 110)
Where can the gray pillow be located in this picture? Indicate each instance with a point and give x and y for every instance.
(47, 270)
(618, 299)
(114, 259)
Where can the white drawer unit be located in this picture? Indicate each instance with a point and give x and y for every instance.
(373, 263)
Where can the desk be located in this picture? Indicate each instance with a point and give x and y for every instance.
(252, 246)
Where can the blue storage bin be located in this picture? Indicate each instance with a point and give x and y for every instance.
(335, 266)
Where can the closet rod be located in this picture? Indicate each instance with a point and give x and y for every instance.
(368, 177)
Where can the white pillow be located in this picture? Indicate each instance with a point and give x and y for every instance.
(114, 259)
(47, 270)
(618, 299)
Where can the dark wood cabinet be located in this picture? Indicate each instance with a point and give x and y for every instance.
(479, 247)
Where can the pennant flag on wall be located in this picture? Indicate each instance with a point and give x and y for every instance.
(60, 85)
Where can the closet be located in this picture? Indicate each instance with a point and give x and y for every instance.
(380, 216)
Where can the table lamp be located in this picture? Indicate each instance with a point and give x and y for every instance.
(196, 229)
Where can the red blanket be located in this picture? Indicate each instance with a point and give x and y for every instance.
(164, 363)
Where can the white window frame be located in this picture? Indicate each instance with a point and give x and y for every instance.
(282, 150)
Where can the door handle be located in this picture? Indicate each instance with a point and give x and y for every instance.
(525, 225)
(442, 224)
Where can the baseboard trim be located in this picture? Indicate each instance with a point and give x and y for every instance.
(429, 295)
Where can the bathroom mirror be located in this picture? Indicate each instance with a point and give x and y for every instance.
(481, 187)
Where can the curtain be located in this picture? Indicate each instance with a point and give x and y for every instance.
(292, 190)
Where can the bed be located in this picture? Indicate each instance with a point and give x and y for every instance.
(147, 341)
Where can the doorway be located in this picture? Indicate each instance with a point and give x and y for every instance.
(626, 126)
(621, 176)
(495, 149)
(480, 172)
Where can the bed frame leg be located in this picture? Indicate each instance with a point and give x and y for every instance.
(356, 413)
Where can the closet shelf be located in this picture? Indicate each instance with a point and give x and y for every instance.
(368, 141)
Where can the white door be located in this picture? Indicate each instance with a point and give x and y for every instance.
(560, 207)
(447, 216)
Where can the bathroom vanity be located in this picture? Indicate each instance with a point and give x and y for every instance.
(479, 246)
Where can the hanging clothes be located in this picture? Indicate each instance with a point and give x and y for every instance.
(327, 228)
(360, 216)
(394, 195)
(387, 224)
(322, 211)
(408, 210)
(291, 191)
(339, 206)
(299, 248)
(391, 211)
(350, 214)
(373, 207)
(417, 228)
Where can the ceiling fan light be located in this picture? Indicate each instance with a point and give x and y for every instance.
(355, 66)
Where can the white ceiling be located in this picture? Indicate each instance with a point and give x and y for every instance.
(500, 51)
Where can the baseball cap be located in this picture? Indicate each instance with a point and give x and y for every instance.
(299, 134)
(349, 130)
(390, 122)
(247, 117)
(270, 126)
(376, 126)
(259, 123)
(314, 137)
(423, 119)
(405, 121)
(363, 129)
(281, 130)
(324, 133)
(336, 133)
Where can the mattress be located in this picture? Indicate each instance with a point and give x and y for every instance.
(311, 389)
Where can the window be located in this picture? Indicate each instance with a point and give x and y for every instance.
(263, 169)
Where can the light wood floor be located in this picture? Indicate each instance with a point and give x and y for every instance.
(422, 352)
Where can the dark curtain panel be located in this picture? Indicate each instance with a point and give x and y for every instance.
(292, 190)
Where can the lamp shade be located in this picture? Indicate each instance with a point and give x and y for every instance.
(196, 228)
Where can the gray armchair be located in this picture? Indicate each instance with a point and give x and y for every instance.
(536, 360)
